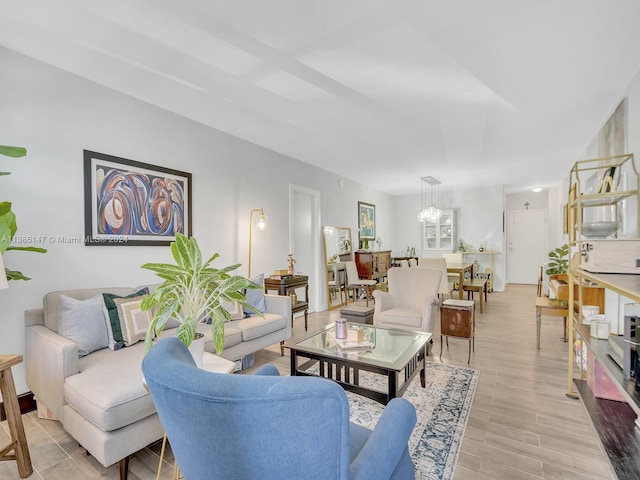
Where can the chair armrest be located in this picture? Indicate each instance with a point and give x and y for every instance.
(268, 370)
(429, 312)
(383, 301)
(387, 443)
(49, 359)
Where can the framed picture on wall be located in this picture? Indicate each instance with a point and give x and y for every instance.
(366, 221)
(134, 203)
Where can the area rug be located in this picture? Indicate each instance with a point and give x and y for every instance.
(442, 409)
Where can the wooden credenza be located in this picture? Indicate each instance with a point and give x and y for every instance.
(373, 265)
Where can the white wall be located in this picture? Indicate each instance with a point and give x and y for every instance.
(479, 219)
(56, 115)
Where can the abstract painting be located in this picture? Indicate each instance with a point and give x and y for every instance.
(134, 203)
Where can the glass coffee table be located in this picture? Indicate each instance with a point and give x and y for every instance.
(396, 355)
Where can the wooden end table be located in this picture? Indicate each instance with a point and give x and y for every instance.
(14, 419)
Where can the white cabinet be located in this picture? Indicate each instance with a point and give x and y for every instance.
(440, 237)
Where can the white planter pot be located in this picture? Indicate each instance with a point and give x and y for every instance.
(197, 349)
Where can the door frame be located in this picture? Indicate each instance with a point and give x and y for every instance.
(316, 234)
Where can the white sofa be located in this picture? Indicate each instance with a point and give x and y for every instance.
(100, 398)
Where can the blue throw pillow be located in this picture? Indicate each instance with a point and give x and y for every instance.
(255, 298)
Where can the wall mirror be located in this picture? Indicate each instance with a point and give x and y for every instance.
(337, 250)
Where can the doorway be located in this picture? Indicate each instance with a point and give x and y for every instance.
(304, 238)
(527, 240)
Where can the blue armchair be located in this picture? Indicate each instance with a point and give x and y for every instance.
(264, 426)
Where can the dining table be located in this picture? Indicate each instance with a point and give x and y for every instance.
(460, 269)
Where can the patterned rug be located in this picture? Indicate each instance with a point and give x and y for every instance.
(442, 410)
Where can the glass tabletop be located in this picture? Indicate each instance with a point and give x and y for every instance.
(378, 346)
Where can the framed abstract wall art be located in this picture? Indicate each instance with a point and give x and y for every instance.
(134, 203)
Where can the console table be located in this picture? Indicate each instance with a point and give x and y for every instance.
(287, 286)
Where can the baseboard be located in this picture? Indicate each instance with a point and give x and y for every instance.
(27, 404)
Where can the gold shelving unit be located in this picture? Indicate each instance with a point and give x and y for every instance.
(595, 183)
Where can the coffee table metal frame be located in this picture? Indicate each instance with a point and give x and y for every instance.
(345, 367)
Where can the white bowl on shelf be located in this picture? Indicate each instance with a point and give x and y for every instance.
(598, 229)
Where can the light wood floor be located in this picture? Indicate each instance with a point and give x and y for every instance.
(521, 425)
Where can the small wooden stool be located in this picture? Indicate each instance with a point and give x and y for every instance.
(458, 319)
(14, 420)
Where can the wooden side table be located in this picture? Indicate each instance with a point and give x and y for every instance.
(458, 319)
(288, 286)
(14, 419)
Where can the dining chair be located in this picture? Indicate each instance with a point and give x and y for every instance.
(453, 258)
(335, 282)
(355, 283)
(439, 264)
(549, 306)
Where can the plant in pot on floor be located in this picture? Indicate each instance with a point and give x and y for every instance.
(558, 262)
(193, 292)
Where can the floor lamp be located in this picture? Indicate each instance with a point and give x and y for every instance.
(262, 223)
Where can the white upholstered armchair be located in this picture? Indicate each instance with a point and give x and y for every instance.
(411, 302)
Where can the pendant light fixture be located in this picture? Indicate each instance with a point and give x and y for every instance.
(430, 211)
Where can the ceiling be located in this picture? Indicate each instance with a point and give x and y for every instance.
(472, 92)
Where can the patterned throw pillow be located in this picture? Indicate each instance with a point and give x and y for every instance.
(111, 317)
(133, 321)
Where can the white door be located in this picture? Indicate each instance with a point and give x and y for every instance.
(527, 233)
(305, 236)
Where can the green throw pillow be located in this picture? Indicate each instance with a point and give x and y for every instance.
(112, 313)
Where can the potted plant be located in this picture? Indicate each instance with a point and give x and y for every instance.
(192, 292)
(8, 225)
(558, 263)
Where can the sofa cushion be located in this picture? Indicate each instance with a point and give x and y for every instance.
(256, 327)
(406, 317)
(109, 389)
(82, 322)
(134, 322)
(232, 335)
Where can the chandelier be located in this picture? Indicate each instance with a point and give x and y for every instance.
(430, 211)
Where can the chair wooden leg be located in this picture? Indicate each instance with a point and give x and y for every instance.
(124, 468)
(537, 329)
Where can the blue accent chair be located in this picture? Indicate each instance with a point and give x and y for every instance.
(264, 426)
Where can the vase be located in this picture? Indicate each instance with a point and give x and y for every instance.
(197, 349)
